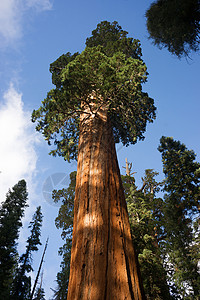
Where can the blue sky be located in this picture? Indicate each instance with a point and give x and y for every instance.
(33, 33)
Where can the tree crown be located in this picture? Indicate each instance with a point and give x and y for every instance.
(182, 173)
(114, 74)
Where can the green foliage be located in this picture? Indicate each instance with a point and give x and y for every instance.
(114, 74)
(182, 174)
(11, 213)
(182, 191)
(57, 66)
(22, 282)
(175, 24)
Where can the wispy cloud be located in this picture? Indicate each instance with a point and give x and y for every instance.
(10, 19)
(18, 138)
(39, 4)
(12, 13)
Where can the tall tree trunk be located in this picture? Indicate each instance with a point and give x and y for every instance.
(103, 261)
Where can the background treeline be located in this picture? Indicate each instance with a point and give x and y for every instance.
(164, 219)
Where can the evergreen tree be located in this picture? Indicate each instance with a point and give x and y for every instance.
(22, 282)
(145, 214)
(182, 191)
(11, 213)
(98, 100)
(175, 24)
(64, 221)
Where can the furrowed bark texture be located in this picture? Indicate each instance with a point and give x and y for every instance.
(103, 261)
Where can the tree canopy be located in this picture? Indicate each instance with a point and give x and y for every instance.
(175, 25)
(109, 72)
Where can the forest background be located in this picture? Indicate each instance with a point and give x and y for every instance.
(32, 35)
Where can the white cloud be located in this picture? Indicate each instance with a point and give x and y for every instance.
(18, 138)
(12, 13)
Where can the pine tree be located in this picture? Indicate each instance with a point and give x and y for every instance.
(181, 216)
(98, 100)
(22, 283)
(11, 213)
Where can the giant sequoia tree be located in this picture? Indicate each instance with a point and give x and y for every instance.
(98, 100)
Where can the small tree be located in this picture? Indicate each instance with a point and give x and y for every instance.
(22, 282)
(11, 213)
(175, 25)
(98, 100)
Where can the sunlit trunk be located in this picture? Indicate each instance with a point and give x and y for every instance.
(103, 261)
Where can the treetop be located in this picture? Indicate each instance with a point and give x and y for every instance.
(112, 68)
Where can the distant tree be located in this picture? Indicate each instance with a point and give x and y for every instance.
(39, 294)
(39, 270)
(175, 25)
(11, 213)
(181, 216)
(98, 100)
(64, 221)
(22, 282)
(145, 215)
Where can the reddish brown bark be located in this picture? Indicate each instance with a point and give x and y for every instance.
(103, 261)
